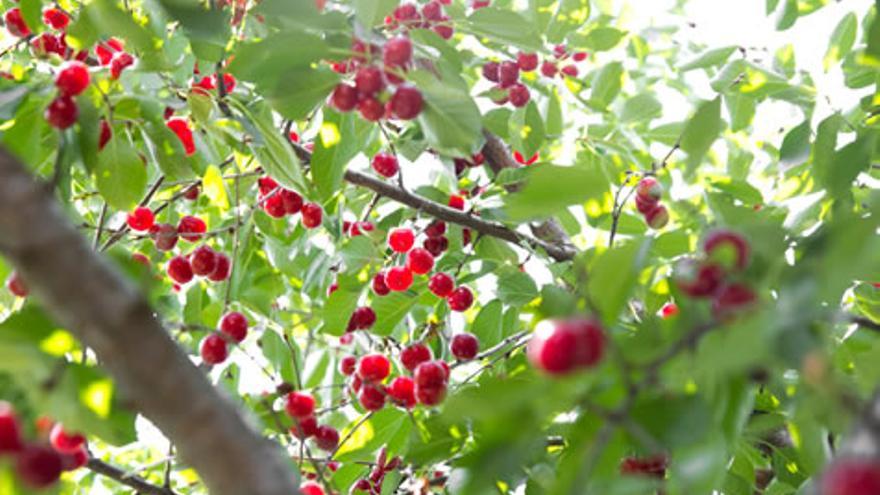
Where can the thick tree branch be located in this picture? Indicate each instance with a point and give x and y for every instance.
(141, 485)
(107, 313)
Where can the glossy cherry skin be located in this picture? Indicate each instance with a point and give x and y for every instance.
(414, 355)
(464, 346)
(441, 284)
(235, 325)
(401, 239)
(374, 368)
(204, 261)
(300, 405)
(461, 299)
(398, 278)
(180, 270)
(326, 438)
(213, 349)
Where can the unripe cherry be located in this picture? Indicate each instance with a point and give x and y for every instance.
(300, 405)
(464, 346)
(311, 215)
(72, 79)
(649, 187)
(235, 325)
(420, 261)
(326, 438)
(406, 103)
(403, 392)
(461, 299)
(414, 355)
(441, 284)
(213, 349)
(398, 278)
(180, 270)
(728, 248)
(374, 368)
(385, 164)
(401, 239)
(646, 204)
(657, 218)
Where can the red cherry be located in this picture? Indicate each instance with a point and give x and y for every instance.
(698, 280)
(371, 109)
(668, 310)
(646, 204)
(552, 350)
(732, 299)
(141, 219)
(649, 188)
(464, 346)
(403, 392)
(213, 349)
(397, 51)
(851, 477)
(120, 62)
(56, 19)
(15, 23)
(62, 112)
(191, 228)
(326, 438)
(291, 201)
(420, 261)
(654, 466)
(105, 134)
(414, 355)
(221, 269)
(300, 405)
(406, 12)
(293, 136)
(401, 239)
(310, 487)
(10, 430)
(406, 103)
(432, 11)
(274, 205)
(480, 4)
(38, 466)
(180, 128)
(441, 284)
(228, 82)
(368, 81)
(75, 460)
(347, 365)
(266, 185)
(518, 94)
(548, 69)
(235, 325)
(379, 286)
(657, 218)
(527, 62)
(65, 442)
(436, 245)
(560, 51)
(72, 79)
(431, 378)
(304, 428)
(456, 201)
(590, 341)
(344, 97)
(444, 30)
(372, 397)
(508, 74)
(141, 258)
(490, 71)
(180, 270)
(436, 229)
(570, 70)
(385, 164)
(363, 318)
(728, 248)
(461, 299)
(16, 285)
(374, 368)
(579, 56)
(311, 215)
(164, 236)
(398, 278)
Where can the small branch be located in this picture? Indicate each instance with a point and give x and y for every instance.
(865, 323)
(144, 202)
(121, 477)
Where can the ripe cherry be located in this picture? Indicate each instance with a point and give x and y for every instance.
(16, 285)
(456, 201)
(730, 249)
(444, 30)
(74, 460)
(368, 81)
(645, 204)
(235, 325)
(300, 405)
(406, 103)
(379, 286)
(326, 438)
(204, 261)
(105, 134)
(274, 205)
(490, 71)
(62, 112)
(436, 229)
(698, 279)
(311, 215)
(291, 201)
(441, 284)
(56, 19)
(570, 70)
(649, 188)
(371, 109)
(213, 349)
(461, 299)
(657, 218)
(397, 51)
(527, 62)
(669, 310)
(72, 79)
(732, 299)
(191, 228)
(420, 261)
(431, 378)
(304, 428)
(221, 269)
(579, 56)
(403, 392)
(398, 278)
(120, 62)
(164, 236)
(347, 365)
(560, 347)
(180, 270)
(38, 466)
(362, 319)
(508, 74)
(10, 430)
(372, 397)
(432, 11)
(851, 477)
(401, 239)
(436, 245)
(464, 346)
(653, 466)
(15, 23)
(374, 368)
(141, 219)
(549, 69)
(344, 97)
(519, 95)
(181, 129)
(414, 355)
(311, 488)
(385, 164)
(65, 442)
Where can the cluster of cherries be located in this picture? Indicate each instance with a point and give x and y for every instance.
(726, 253)
(37, 464)
(368, 93)
(278, 202)
(648, 194)
(432, 16)
(853, 476)
(561, 347)
(301, 407)
(233, 329)
(506, 74)
(652, 466)
(207, 84)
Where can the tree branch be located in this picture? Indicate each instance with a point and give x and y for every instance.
(107, 313)
(141, 485)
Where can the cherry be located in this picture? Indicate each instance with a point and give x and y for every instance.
(16, 285)
(398, 278)
(326, 438)
(464, 346)
(420, 261)
(44, 44)
(73, 78)
(522, 160)
(105, 51)
(432, 11)
(527, 62)
(274, 206)
(570, 70)
(698, 280)
(311, 215)
(649, 188)
(62, 112)
(374, 368)
(406, 12)
(508, 74)
(657, 218)
(414, 355)
(204, 261)
(164, 236)
(347, 365)
(266, 185)
(300, 405)
(579, 56)
(653, 466)
(356, 383)
(10, 430)
(180, 270)
(213, 349)
(15, 23)
(105, 134)
(191, 228)
(441, 284)
(304, 427)
(397, 51)
(480, 4)
(371, 397)
(65, 442)
(38, 466)
(436, 229)
(235, 325)
(519, 95)
(406, 103)
(368, 81)
(141, 219)
(74, 460)
(456, 201)
(548, 69)
(851, 477)
(371, 109)
(120, 62)
(344, 97)
(645, 204)
(403, 392)
(311, 488)
(141, 258)
(490, 71)
(461, 299)
(436, 245)
(431, 378)
(669, 310)
(180, 128)
(385, 164)
(221, 269)
(401, 239)
(379, 286)
(560, 51)
(291, 201)
(228, 82)
(363, 318)
(728, 248)
(559, 347)
(732, 299)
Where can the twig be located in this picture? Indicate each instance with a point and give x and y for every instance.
(120, 476)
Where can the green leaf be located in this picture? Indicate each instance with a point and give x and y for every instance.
(641, 108)
(526, 129)
(391, 310)
(741, 109)
(121, 176)
(167, 151)
(787, 15)
(357, 252)
(30, 12)
(607, 85)
(302, 91)
(450, 119)
(825, 146)
(487, 324)
(563, 17)
(371, 12)
(847, 163)
(551, 187)
(600, 39)
(506, 27)
(795, 148)
(842, 40)
(339, 139)
(389, 427)
(702, 129)
(612, 275)
(516, 288)
(208, 29)
(340, 305)
(496, 121)
(709, 58)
